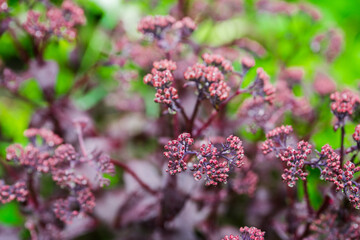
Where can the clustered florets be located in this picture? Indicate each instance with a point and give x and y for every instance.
(330, 225)
(59, 22)
(247, 233)
(294, 159)
(47, 154)
(276, 138)
(262, 86)
(213, 163)
(176, 151)
(341, 176)
(343, 105)
(356, 134)
(155, 26)
(247, 63)
(209, 167)
(218, 61)
(209, 82)
(161, 78)
(18, 191)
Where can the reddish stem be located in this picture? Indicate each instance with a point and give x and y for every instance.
(307, 198)
(342, 145)
(182, 111)
(193, 115)
(214, 114)
(135, 176)
(32, 193)
(81, 139)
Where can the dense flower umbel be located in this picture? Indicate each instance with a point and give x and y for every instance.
(176, 151)
(295, 159)
(262, 87)
(356, 134)
(17, 191)
(209, 82)
(343, 105)
(161, 79)
(331, 226)
(341, 176)
(165, 64)
(60, 22)
(186, 26)
(47, 154)
(77, 205)
(218, 61)
(213, 171)
(212, 163)
(155, 25)
(276, 138)
(247, 233)
(247, 63)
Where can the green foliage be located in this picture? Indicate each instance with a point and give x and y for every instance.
(10, 214)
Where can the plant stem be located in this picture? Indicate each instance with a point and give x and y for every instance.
(135, 176)
(32, 193)
(193, 115)
(81, 139)
(307, 197)
(342, 145)
(182, 111)
(214, 114)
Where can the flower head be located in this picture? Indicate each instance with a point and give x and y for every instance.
(247, 233)
(276, 138)
(295, 159)
(343, 105)
(17, 191)
(176, 151)
(161, 78)
(209, 81)
(262, 86)
(218, 61)
(155, 25)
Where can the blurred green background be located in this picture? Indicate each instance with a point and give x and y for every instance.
(287, 41)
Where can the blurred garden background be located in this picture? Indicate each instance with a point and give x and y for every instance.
(98, 76)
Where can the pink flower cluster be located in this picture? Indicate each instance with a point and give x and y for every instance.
(209, 167)
(330, 226)
(356, 134)
(218, 61)
(276, 138)
(341, 176)
(209, 82)
(247, 233)
(213, 163)
(16, 191)
(156, 25)
(161, 78)
(83, 201)
(295, 159)
(176, 151)
(60, 22)
(46, 153)
(343, 104)
(262, 86)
